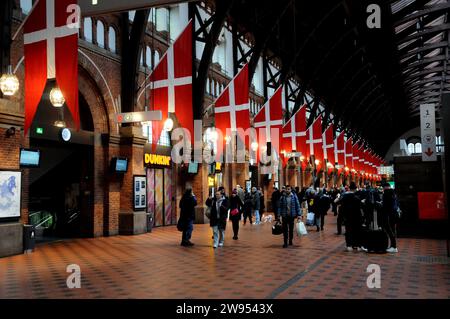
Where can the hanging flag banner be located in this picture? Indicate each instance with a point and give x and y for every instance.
(428, 130)
(51, 52)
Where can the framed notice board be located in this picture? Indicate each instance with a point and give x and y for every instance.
(139, 193)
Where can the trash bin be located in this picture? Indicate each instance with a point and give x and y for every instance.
(149, 222)
(29, 239)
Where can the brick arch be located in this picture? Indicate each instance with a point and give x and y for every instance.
(100, 90)
(91, 93)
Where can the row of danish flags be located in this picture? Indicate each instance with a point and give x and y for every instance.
(51, 52)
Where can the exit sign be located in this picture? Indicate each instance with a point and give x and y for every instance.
(39, 130)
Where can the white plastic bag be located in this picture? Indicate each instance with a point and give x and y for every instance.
(310, 219)
(301, 229)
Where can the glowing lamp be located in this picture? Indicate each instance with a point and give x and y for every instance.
(168, 125)
(56, 97)
(9, 83)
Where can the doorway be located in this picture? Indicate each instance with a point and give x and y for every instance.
(161, 197)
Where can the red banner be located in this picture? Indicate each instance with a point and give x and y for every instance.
(431, 206)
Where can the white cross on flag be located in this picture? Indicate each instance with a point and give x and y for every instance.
(232, 106)
(339, 150)
(294, 132)
(328, 144)
(271, 114)
(51, 51)
(171, 83)
(314, 140)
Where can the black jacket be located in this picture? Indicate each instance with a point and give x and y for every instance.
(351, 209)
(235, 202)
(187, 208)
(218, 218)
(323, 205)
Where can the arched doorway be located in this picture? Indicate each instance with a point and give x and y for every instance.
(61, 190)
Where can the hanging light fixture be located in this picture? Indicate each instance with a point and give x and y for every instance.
(56, 97)
(60, 124)
(254, 146)
(9, 83)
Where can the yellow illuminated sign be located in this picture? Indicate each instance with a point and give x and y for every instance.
(153, 159)
(211, 181)
(218, 166)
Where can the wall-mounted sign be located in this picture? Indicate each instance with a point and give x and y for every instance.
(140, 193)
(428, 129)
(218, 167)
(157, 160)
(138, 117)
(10, 194)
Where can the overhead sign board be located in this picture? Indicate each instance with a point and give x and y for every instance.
(428, 131)
(138, 117)
(96, 7)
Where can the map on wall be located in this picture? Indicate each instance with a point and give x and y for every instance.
(10, 189)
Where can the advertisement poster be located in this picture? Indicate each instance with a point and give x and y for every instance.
(10, 188)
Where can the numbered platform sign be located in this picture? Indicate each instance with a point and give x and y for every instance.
(428, 129)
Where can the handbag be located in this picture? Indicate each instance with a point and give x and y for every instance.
(277, 228)
(234, 212)
(301, 229)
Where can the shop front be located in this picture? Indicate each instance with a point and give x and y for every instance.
(161, 190)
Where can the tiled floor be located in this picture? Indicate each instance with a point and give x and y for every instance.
(256, 266)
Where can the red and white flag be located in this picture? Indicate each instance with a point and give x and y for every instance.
(339, 151)
(349, 153)
(171, 85)
(271, 115)
(314, 140)
(51, 51)
(294, 133)
(232, 109)
(328, 144)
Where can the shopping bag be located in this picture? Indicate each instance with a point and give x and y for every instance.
(301, 229)
(310, 219)
(277, 228)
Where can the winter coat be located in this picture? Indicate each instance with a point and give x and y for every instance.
(256, 201)
(187, 208)
(295, 206)
(236, 203)
(351, 209)
(276, 195)
(323, 205)
(248, 204)
(218, 218)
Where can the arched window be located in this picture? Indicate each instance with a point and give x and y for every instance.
(162, 19)
(141, 59)
(207, 85)
(418, 148)
(156, 58)
(87, 29)
(26, 6)
(411, 148)
(112, 40)
(131, 15)
(148, 57)
(100, 34)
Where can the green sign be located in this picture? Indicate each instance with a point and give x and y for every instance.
(39, 130)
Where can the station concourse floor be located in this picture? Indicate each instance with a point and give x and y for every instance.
(154, 265)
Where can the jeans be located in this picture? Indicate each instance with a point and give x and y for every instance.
(288, 229)
(389, 227)
(187, 232)
(219, 236)
(320, 221)
(258, 220)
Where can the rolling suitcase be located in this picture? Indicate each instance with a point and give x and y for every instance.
(375, 239)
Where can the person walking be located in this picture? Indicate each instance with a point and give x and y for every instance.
(388, 217)
(289, 210)
(248, 204)
(187, 216)
(256, 205)
(323, 205)
(236, 206)
(240, 192)
(276, 201)
(218, 221)
(351, 208)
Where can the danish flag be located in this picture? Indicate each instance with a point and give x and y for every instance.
(271, 114)
(232, 110)
(349, 153)
(171, 89)
(294, 133)
(328, 144)
(356, 165)
(51, 51)
(314, 140)
(339, 151)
